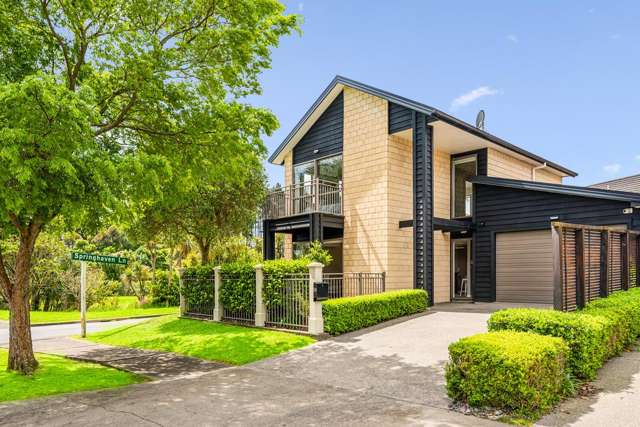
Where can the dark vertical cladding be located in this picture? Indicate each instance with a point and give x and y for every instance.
(400, 118)
(481, 156)
(423, 203)
(499, 209)
(325, 137)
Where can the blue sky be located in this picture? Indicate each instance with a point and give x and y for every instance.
(560, 79)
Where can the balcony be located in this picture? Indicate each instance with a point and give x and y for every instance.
(315, 196)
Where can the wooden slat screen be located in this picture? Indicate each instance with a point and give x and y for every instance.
(569, 268)
(592, 241)
(615, 262)
(610, 258)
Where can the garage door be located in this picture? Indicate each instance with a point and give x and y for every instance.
(524, 267)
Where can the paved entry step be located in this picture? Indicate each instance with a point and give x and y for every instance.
(153, 364)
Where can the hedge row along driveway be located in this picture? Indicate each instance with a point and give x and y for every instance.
(589, 337)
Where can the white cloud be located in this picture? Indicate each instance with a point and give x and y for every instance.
(513, 38)
(612, 168)
(638, 157)
(467, 98)
(301, 6)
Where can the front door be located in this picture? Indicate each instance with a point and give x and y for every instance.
(461, 269)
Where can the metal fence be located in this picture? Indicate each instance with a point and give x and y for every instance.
(205, 288)
(591, 262)
(354, 284)
(247, 314)
(288, 305)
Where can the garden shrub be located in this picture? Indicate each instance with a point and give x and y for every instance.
(163, 293)
(623, 310)
(587, 336)
(520, 372)
(352, 313)
(197, 285)
(238, 287)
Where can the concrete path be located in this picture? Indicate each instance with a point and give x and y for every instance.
(616, 403)
(382, 376)
(153, 364)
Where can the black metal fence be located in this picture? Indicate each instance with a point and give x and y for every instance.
(354, 284)
(200, 296)
(288, 303)
(244, 313)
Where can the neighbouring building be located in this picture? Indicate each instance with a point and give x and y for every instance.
(628, 183)
(392, 185)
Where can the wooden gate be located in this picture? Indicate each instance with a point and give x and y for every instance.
(590, 262)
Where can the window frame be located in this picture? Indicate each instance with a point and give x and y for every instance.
(454, 162)
(316, 166)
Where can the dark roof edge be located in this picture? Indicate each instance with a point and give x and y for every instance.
(423, 108)
(570, 190)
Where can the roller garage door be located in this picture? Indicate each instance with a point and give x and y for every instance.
(524, 267)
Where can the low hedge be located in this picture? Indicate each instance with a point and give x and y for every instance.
(238, 287)
(586, 335)
(518, 371)
(348, 314)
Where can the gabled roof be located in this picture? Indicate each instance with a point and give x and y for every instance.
(628, 183)
(569, 190)
(339, 82)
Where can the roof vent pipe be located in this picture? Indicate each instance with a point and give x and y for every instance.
(534, 169)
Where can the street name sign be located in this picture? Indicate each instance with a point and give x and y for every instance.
(102, 259)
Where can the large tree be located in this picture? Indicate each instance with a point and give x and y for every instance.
(103, 101)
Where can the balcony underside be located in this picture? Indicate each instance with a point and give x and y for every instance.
(303, 228)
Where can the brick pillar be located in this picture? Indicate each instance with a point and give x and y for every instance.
(217, 309)
(261, 311)
(316, 322)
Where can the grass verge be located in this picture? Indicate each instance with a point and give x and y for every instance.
(43, 317)
(57, 375)
(231, 344)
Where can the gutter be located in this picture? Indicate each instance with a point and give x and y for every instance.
(536, 168)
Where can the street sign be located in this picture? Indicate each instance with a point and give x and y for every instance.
(102, 259)
(84, 259)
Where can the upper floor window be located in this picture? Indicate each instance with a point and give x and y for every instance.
(327, 169)
(462, 190)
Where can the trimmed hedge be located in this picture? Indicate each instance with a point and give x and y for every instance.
(348, 314)
(518, 371)
(197, 287)
(238, 287)
(587, 336)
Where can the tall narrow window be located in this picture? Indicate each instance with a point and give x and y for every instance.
(462, 190)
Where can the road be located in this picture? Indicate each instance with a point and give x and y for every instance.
(58, 331)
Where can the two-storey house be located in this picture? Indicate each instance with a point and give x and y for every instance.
(392, 185)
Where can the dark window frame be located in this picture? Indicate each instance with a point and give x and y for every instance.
(454, 161)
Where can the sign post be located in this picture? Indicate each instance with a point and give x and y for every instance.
(84, 258)
(83, 299)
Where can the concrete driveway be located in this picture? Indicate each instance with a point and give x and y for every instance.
(386, 376)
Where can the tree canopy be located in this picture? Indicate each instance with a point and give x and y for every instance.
(104, 102)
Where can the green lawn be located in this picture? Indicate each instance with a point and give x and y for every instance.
(39, 317)
(206, 340)
(59, 375)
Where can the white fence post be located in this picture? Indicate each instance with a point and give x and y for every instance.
(217, 307)
(316, 322)
(261, 311)
(183, 302)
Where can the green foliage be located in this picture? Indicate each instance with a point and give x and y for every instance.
(198, 284)
(517, 371)
(587, 336)
(352, 313)
(236, 345)
(164, 292)
(238, 289)
(318, 254)
(275, 271)
(59, 375)
(623, 310)
(234, 249)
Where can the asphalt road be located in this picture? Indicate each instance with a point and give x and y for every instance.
(58, 331)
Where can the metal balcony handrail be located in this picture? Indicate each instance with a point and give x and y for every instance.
(316, 195)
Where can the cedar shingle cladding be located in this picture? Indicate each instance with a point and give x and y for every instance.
(500, 209)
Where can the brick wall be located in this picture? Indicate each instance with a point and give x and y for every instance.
(441, 241)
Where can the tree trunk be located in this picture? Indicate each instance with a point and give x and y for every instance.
(21, 357)
(204, 251)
